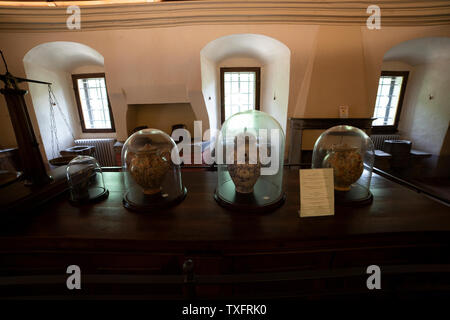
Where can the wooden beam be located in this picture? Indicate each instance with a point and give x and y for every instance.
(119, 14)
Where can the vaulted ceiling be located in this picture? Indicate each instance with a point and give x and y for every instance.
(420, 51)
(35, 16)
(55, 3)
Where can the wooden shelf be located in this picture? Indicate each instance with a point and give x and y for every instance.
(400, 228)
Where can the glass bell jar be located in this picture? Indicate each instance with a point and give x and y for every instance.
(151, 171)
(85, 179)
(250, 157)
(350, 152)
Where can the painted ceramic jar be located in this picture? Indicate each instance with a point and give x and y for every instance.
(245, 175)
(148, 167)
(347, 164)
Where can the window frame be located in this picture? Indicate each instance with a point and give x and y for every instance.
(257, 71)
(75, 78)
(393, 128)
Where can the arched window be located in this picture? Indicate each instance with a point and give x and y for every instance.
(93, 103)
(239, 89)
(263, 86)
(391, 90)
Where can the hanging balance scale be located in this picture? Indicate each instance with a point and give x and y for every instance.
(34, 172)
(57, 160)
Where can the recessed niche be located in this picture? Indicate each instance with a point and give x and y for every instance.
(160, 116)
(247, 50)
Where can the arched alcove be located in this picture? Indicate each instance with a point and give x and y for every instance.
(63, 55)
(425, 113)
(55, 62)
(420, 51)
(253, 50)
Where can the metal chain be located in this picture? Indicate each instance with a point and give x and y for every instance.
(53, 129)
(54, 103)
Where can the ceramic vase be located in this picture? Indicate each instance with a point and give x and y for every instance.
(148, 168)
(244, 175)
(347, 164)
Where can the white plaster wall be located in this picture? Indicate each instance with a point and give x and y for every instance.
(338, 74)
(396, 66)
(276, 91)
(169, 58)
(425, 121)
(210, 91)
(63, 92)
(160, 65)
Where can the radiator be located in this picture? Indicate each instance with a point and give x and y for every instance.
(378, 139)
(104, 150)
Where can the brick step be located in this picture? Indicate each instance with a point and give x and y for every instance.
(419, 154)
(382, 155)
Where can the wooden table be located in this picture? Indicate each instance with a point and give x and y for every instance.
(233, 253)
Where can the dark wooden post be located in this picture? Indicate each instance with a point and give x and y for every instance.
(189, 281)
(31, 159)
